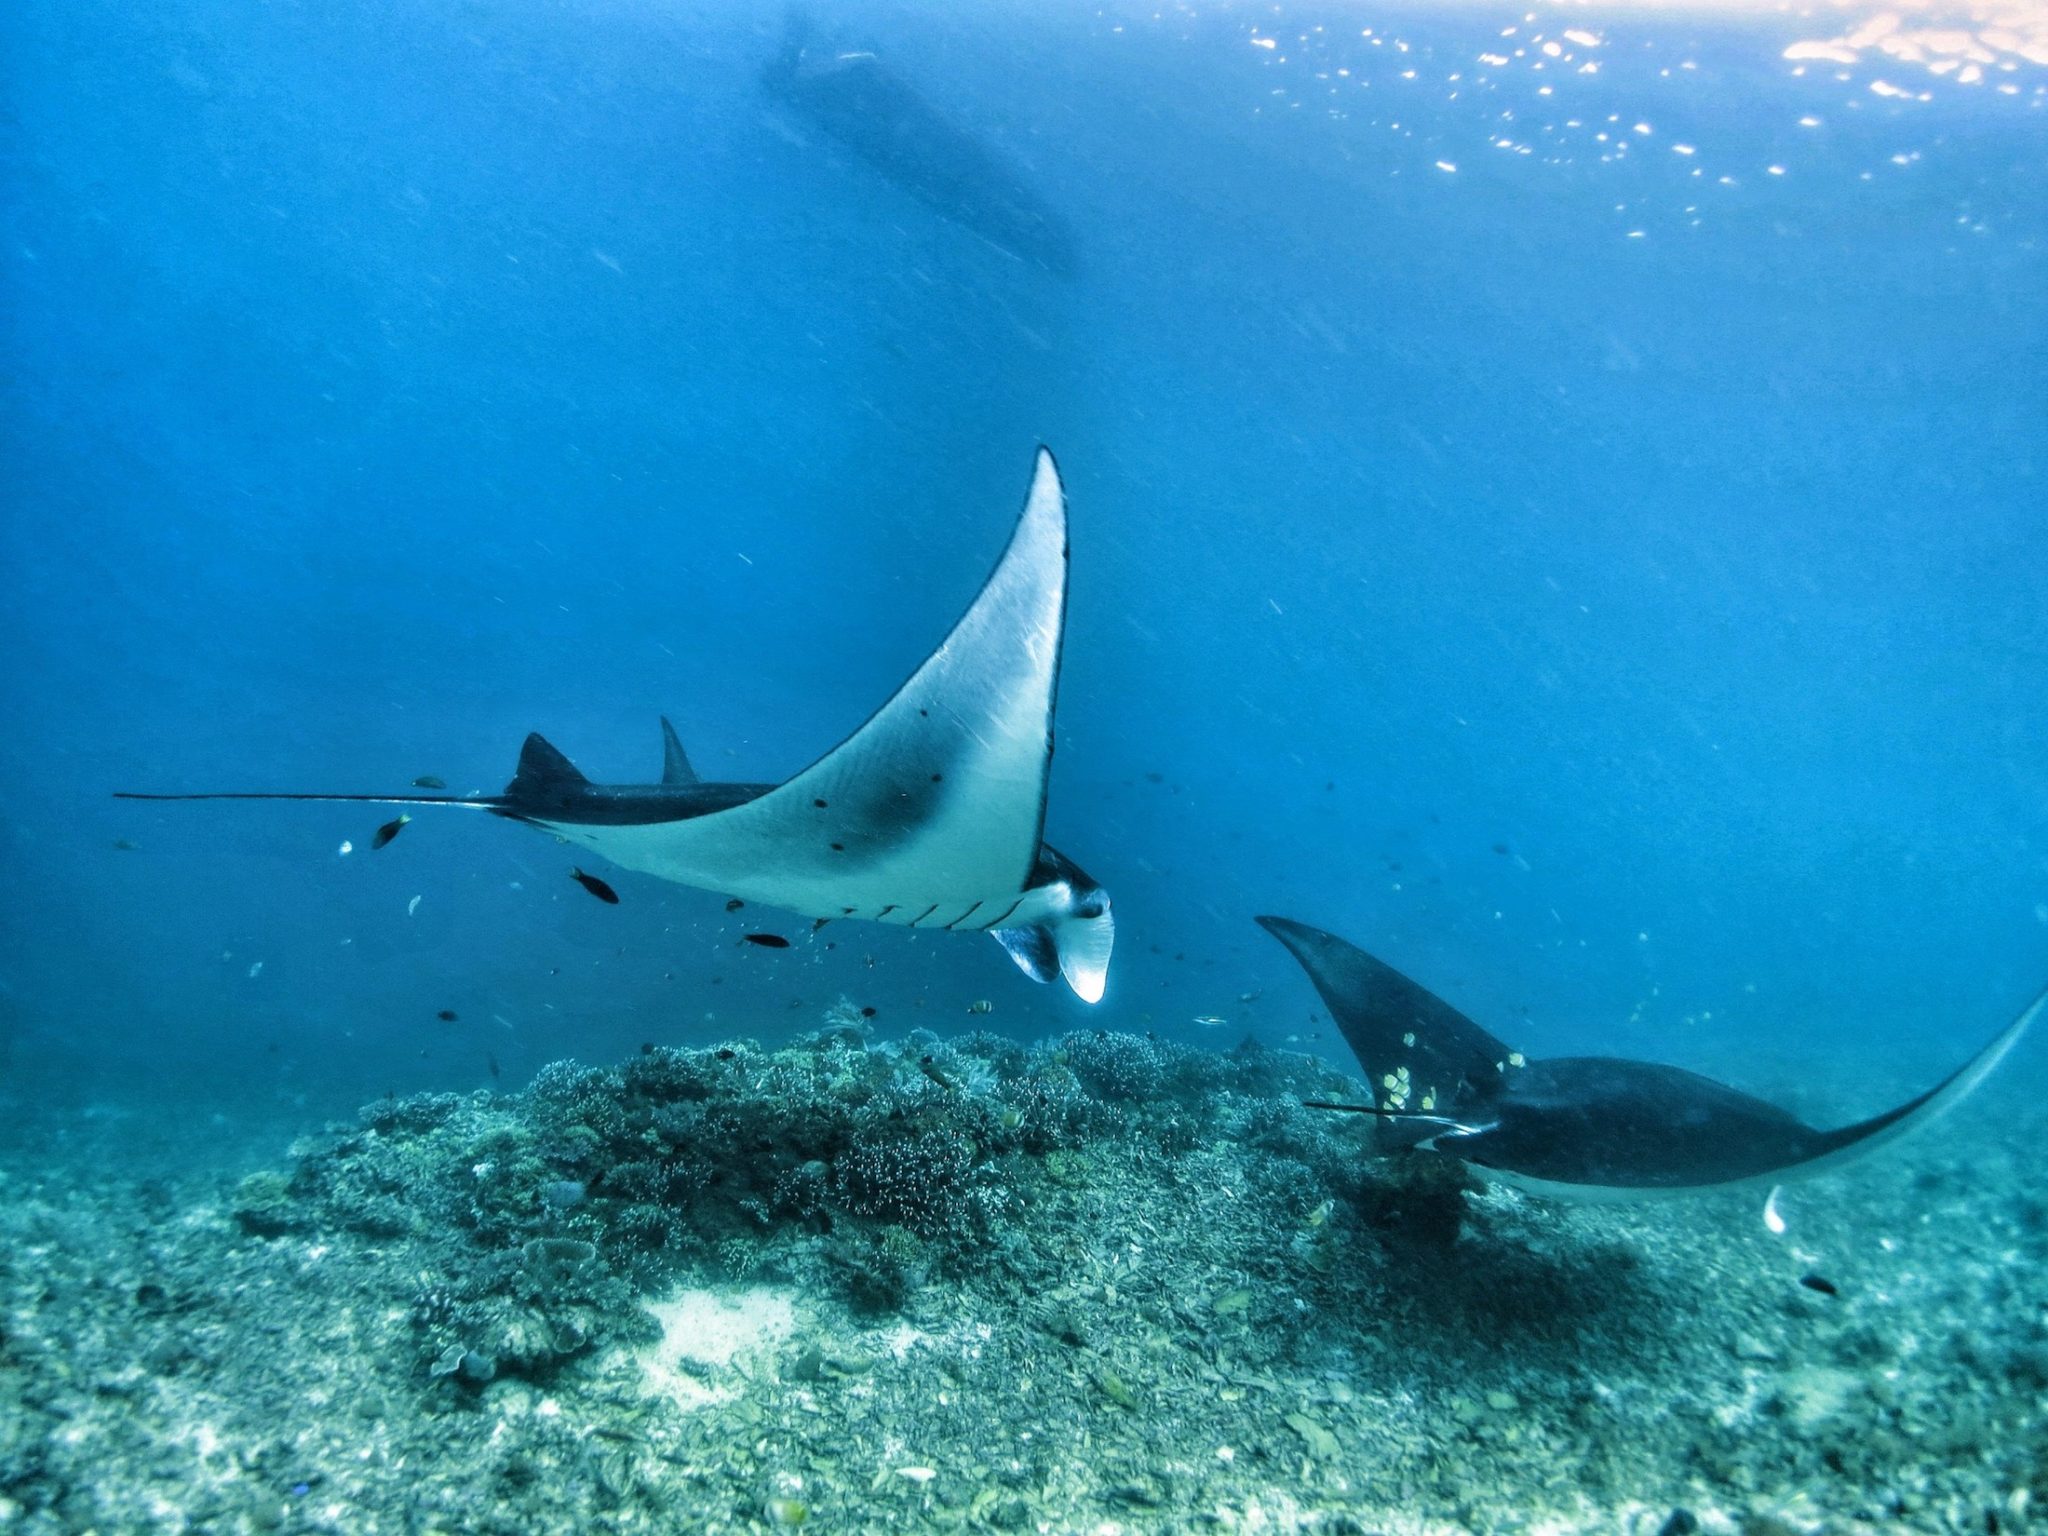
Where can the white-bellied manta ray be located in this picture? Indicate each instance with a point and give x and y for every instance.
(931, 815)
(1589, 1128)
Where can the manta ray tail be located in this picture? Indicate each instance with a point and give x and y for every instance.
(1399, 1116)
(474, 803)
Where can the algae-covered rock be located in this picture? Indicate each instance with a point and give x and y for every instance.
(264, 1206)
(560, 1264)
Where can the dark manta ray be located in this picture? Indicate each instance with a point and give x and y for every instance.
(929, 816)
(1578, 1127)
(873, 111)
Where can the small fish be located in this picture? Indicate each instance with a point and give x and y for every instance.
(595, 886)
(1210, 1019)
(492, 1062)
(734, 905)
(1819, 1283)
(867, 1013)
(122, 845)
(388, 831)
(346, 848)
(930, 1069)
(430, 781)
(766, 940)
(981, 1005)
(446, 1015)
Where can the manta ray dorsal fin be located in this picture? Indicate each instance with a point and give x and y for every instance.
(675, 762)
(937, 803)
(542, 767)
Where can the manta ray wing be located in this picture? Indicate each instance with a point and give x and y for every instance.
(1721, 1168)
(1853, 1143)
(932, 812)
(1396, 1027)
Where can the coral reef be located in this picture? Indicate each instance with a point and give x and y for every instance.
(1105, 1283)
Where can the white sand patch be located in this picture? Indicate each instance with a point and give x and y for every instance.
(1818, 1392)
(712, 1340)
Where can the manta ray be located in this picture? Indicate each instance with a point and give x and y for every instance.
(1588, 1128)
(930, 816)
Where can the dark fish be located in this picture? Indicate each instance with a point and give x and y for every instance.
(595, 886)
(430, 781)
(1501, 849)
(867, 1013)
(446, 1015)
(819, 923)
(492, 1062)
(122, 845)
(766, 940)
(734, 905)
(388, 831)
(1819, 1283)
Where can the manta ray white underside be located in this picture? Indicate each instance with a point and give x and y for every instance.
(931, 815)
(934, 810)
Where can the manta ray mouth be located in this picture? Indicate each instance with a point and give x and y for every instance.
(1084, 945)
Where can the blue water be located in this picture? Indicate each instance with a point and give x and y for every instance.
(1604, 582)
